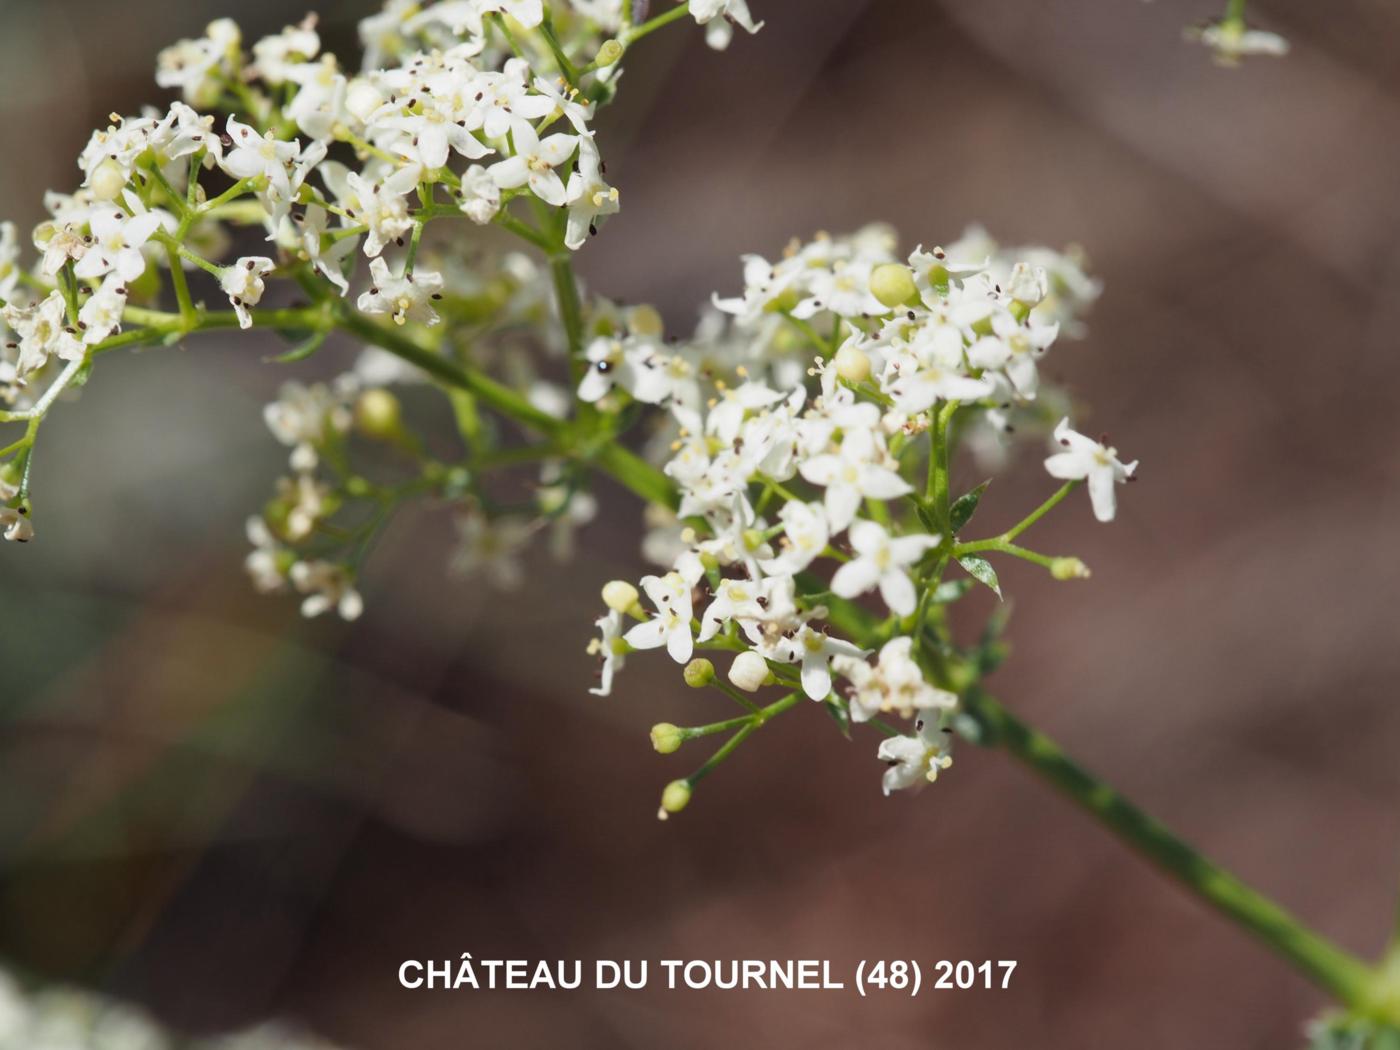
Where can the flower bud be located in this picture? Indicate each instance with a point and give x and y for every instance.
(674, 798)
(893, 284)
(753, 539)
(11, 474)
(608, 53)
(620, 596)
(852, 364)
(645, 322)
(377, 414)
(1069, 569)
(362, 98)
(699, 673)
(749, 671)
(666, 737)
(108, 181)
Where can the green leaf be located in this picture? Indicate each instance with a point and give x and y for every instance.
(302, 351)
(981, 570)
(839, 715)
(950, 591)
(960, 513)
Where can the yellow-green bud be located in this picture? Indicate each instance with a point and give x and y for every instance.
(709, 562)
(620, 596)
(1069, 569)
(852, 364)
(666, 737)
(608, 53)
(893, 284)
(749, 671)
(674, 798)
(753, 539)
(377, 415)
(699, 673)
(646, 322)
(107, 181)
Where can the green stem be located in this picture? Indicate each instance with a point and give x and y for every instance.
(1345, 976)
(750, 725)
(636, 33)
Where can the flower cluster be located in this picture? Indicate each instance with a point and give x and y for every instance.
(799, 440)
(795, 494)
(67, 1019)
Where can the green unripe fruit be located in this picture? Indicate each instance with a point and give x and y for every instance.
(893, 284)
(666, 738)
(699, 673)
(674, 798)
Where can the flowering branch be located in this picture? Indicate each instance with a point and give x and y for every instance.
(797, 449)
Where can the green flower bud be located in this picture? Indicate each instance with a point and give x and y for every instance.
(620, 596)
(645, 322)
(608, 53)
(674, 798)
(893, 284)
(1069, 569)
(377, 415)
(699, 673)
(666, 738)
(753, 539)
(108, 181)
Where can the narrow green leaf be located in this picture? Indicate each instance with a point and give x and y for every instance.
(981, 570)
(302, 351)
(960, 513)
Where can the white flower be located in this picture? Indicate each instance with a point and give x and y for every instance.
(327, 586)
(534, 163)
(255, 155)
(43, 330)
(1087, 458)
(196, 67)
(815, 651)
(116, 245)
(1231, 40)
(897, 684)
(588, 196)
(307, 502)
(267, 563)
(855, 472)
(481, 197)
(670, 594)
(805, 536)
(734, 600)
(15, 526)
(379, 204)
(882, 561)
(749, 671)
(243, 284)
(9, 260)
(716, 15)
(328, 260)
(915, 760)
(611, 648)
(406, 298)
(427, 134)
(1014, 348)
(491, 546)
(321, 99)
(101, 315)
(276, 58)
(303, 417)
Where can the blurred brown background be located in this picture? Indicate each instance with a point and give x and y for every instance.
(220, 811)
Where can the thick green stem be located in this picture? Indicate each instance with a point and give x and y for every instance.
(1342, 974)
